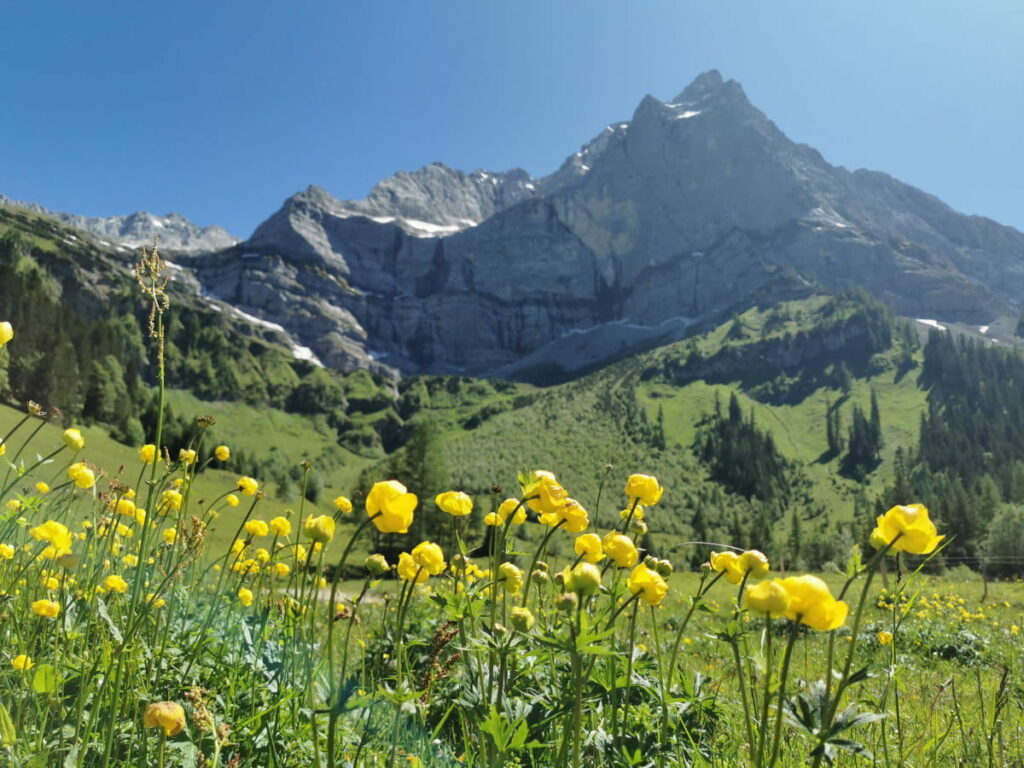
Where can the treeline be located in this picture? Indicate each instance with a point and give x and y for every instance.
(82, 348)
(969, 464)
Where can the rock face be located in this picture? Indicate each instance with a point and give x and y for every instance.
(174, 232)
(695, 208)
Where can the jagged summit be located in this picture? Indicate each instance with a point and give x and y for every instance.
(692, 210)
(174, 232)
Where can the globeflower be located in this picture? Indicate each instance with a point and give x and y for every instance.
(168, 715)
(256, 528)
(42, 487)
(377, 565)
(115, 584)
(390, 506)
(588, 546)
(429, 557)
(455, 503)
(584, 578)
(169, 500)
(543, 492)
(735, 566)
(645, 488)
(281, 526)
(508, 507)
(768, 598)
(319, 528)
(57, 535)
(408, 569)
(811, 603)
(6, 333)
(647, 583)
(222, 452)
(512, 577)
(47, 608)
(81, 475)
(884, 638)
(6, 552)
(570, 514)
(147, 453)
(245, 596)
(187, 456)
(906, 529)
(73, 439)
(343, 504)
(620, 549)
(21, 662)
(248, 486)
(521, 618)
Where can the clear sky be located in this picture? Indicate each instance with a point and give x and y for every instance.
(220, 109)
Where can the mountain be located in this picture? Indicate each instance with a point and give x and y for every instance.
(694, 210)
(174, 232)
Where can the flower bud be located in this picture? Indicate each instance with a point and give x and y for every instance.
(377, 565)
(567, 601)
(522, 619)
(638, 527)
(664, 568)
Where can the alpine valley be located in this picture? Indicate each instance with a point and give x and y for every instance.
(787, 344)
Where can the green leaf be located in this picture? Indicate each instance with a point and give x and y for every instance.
(101, 608)
(7, 734)
(45, 679)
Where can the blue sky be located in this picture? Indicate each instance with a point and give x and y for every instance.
(220, 110)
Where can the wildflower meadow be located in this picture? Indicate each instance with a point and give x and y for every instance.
(128, 638)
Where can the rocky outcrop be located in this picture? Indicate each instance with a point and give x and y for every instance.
(694, 208)
(174, 232)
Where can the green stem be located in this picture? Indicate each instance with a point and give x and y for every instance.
(786, 658)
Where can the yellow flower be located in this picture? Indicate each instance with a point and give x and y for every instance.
(648, 583)
(637, 512)
(245, 596)
(170, 535)
(906, 529)
(754, 563)
(56, 535)
(569, 514)
(1014, 629)
(187, 456)
(42, 487)
(390, 506)
(125, 507)
(21, 662)
(73, 439)
(82, 476)
(588, 546)
(377, 565)
(3, 448)
(168, 715)
(222, 452)
(169, 500)
(455, 503)
(811, 603)
(281, 526)
(767, 598)
(543, 492)
(232, 500)
(6, 333)
(319, 528)
(584, 578)
(156, 602)
(344, 505)
(492, 519)
(115, 584)
(429, 556)
(885, 638)
(408, 569)
(147, 454)
(645, 488)
(12, 505)
(512, 577)
(521, 618)
(6, 552)
(130, 560)
(49, 582)
(248, 486)
(46, 608)
(281, 570)
(620, 549)
(256, 528)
